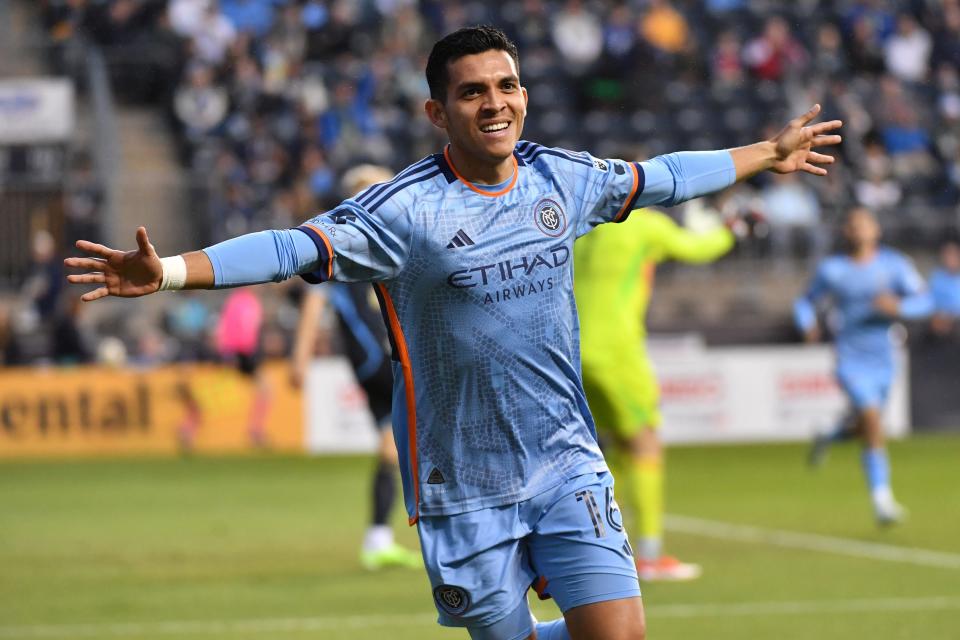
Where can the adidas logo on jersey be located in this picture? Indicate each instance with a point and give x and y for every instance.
(460, 240)
(435, 477)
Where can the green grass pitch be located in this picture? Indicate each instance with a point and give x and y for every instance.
(266, 547)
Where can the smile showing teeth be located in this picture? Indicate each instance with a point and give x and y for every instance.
(490, 128)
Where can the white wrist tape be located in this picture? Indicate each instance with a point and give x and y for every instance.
(174, 273)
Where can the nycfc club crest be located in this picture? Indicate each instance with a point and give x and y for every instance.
(452, 599)
(550, 218)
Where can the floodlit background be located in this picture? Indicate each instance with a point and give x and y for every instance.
(204, 120)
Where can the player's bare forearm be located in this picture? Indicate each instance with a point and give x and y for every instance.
(199, 271)
(753, 159)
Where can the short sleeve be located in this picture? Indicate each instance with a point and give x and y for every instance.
(606, 189)
(909, 280)
(357, 244)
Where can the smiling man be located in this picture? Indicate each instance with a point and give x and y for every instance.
(470, 254)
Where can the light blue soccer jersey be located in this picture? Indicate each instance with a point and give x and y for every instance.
(863, 334)
(945, 289)
(476, 285)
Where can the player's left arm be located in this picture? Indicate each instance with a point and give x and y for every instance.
(677, 177)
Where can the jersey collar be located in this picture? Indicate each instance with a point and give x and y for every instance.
(474, 188)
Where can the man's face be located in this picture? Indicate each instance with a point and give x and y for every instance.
(862, 229)
(485, 106)
(950, 256)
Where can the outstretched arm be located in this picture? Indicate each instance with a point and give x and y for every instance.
(130, 274)
(266, 256)
(677, 177)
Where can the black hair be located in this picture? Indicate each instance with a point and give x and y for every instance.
(460, 43)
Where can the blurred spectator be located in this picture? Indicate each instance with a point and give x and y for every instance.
(620, 35)
(212, 35)
(252, 16)
(909, 144)
(200, 105)
(727, 65)
(878, 191)
(665, 28)
(720, 7)
(907, 52)
(829, 57)
(69, 344)
(239, 343)
(792, 210)
(186, 16)
(46, 279)
(10, 350)
(775, 54)
(187, 320)
(83, 199)
(578, 35)
(945, 287)
(865, 50)
(946, 41)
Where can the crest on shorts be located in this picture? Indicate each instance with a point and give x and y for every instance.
(452, 599)
(550, 218)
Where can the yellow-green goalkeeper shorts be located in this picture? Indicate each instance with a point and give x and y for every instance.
(623, 394)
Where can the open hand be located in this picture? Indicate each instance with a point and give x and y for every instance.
(127, 274)
(795, 143)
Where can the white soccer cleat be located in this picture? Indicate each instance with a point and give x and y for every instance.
(889, 512)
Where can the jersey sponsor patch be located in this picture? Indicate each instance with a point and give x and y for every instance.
(452, 599)
(550, 218)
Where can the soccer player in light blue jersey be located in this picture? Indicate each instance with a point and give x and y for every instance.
(945, 287)
(470, 252)
(870, 287)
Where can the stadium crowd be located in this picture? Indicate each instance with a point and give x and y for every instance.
(273, 100)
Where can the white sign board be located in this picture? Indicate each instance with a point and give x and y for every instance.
(338, 419)
(36, 110)
(708, 395)
(758, 394)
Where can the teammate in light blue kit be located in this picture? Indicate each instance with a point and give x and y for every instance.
(945, 287)
(471, 251)
(870, 287)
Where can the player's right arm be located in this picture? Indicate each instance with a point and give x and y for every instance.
(349, 244)
(805, 307)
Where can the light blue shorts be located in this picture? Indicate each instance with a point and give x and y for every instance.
(567, 543)
(866, 388)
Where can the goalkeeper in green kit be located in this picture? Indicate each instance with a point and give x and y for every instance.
(614, 279)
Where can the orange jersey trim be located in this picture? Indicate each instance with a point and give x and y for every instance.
(407, 367)
(326, 241)
(633, 192)
(492, 194)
